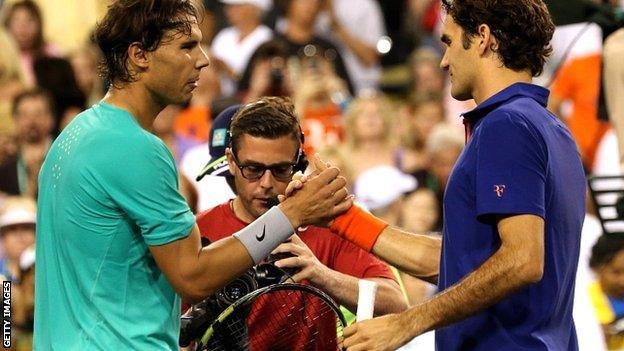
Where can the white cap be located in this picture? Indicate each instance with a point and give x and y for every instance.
(27, 258)
(17, 215)
(379, 186)
(264, 5)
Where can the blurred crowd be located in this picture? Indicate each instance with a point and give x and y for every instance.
(365, 79)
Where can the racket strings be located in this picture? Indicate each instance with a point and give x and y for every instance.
(281, 320)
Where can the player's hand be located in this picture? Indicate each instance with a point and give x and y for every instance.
(295, 184)
(320, 199)
(299, 179)
(384, 333)
(307, 265)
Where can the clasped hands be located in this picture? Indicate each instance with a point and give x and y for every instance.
(316, 198)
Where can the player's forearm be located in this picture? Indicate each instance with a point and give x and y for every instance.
(506, 272)
(344, 290)
(211, 267)
(415, 254)
(218, 264)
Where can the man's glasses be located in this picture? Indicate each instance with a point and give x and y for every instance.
(255, 171)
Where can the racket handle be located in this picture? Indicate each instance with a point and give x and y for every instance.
(366, 299)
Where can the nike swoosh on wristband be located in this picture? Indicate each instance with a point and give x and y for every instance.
(261, 237)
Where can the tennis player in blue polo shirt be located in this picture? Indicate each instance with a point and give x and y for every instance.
(513, 207)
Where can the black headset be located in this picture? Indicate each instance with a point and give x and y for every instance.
(302, 158)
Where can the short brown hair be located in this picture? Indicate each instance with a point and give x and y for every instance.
(523, 29)
(268, 117)
(142, 21)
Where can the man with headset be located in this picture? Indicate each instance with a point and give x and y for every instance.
(258, 148)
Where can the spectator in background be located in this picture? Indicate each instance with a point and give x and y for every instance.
(427, 76)
(369, 134)
(421, 21)
(57, 76)
(24, 302)
(211, 190)
(607, 293)
(17, 233)
(320, 97)
(419, 213)
(84, 63)
(17, 237)
(379, 189)
(163, 128)
(267, 73)
(233, 46)
(318, 92)
(33, 118)
(25, 23)
(298, 33)
(209, 23)
(443, 147)
(575, 87)
(613, 71)
(12, 79)
(588, 328)
(355, 27)
(421, 114)
(337, 157)
(41, 62)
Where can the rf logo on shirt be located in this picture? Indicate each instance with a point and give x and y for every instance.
(499, 189)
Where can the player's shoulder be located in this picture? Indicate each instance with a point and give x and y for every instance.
(519, 114)
(114, 126)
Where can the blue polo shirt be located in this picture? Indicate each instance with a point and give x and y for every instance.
(520, 160)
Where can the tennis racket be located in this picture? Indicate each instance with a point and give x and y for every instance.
(278, 317)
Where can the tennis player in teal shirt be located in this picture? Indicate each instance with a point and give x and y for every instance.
(117, 245)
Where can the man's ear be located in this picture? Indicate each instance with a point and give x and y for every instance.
(138, 57)
(486, 40)
(230, 160)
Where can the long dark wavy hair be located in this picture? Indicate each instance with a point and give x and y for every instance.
(142, 21)
(522, 28)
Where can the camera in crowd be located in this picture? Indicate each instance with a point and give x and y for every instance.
(200, 316)
(315, 58)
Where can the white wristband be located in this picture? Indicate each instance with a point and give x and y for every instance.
(366, 299)
(265, 233)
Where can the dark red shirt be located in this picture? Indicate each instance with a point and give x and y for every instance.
(267, 332)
